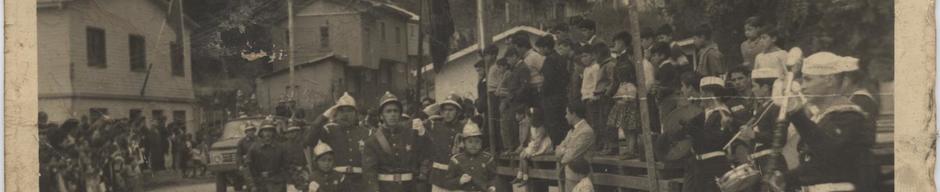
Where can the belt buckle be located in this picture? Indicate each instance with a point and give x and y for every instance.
(396, 177)
(349, 169)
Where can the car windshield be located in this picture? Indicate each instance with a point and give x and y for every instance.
(234, 129)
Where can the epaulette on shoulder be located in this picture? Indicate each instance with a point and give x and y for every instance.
(845, 108)
(330, 125)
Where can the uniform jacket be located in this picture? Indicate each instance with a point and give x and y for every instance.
(441, 136)
(268, 161)
(405, 156)
(834, 140)
(347, 142)
(327, 181)
(480, 167)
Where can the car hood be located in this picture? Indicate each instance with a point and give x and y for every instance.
(226, 143)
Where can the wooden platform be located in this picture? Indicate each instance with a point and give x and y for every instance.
(613, 174)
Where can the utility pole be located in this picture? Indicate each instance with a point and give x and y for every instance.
(643, 93)
(420, 67)
(290, 46)
(484, 41)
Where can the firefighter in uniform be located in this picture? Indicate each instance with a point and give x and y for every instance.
(294, 147)
(344, 134)
(324, 178)
(472, 169)
(836, 134)
(391, 158)
(443, 128)
(268, 161)
(709, 132)
(242, 151)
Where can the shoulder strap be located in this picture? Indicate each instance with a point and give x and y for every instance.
(383, 142)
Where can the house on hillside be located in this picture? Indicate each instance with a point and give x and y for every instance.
(371, 37)
(458, 75)
(121, 58)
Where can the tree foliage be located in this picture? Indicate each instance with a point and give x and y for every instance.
(858, 28)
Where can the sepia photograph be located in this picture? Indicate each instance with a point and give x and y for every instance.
(467, 95)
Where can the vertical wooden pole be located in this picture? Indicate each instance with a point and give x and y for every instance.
(642, 91)
(290, 44)
(420, 67)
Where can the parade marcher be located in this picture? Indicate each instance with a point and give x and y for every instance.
(709, 132)
(390, 159)
(741, 105)
(855, 85)
(708, 59)
(244, 145)
(294, 145)
(324, 178)
(513, 99)
(344, 134)
(836, 134)
(576, 147)
(759, 129)
(268, 161)
(554, 89)
(472, 169)
(442, 130)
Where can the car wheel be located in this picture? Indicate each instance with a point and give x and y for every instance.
(221, 183)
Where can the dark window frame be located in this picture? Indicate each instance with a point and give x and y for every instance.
(177, 63)
(324, 36)
(96, 47)
(137, 52)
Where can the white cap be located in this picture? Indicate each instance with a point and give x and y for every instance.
(712, 80)
(344, 101)
(321, 148)
(765, 73)
(826, 63)
(849, 64)
(471, 129)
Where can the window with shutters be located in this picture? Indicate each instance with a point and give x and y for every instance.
(95, 47)
(176, 59)
(138, 53)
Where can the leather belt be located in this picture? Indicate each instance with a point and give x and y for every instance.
(440, 166)
(710, 155)
(399, 177)
(829, 187)
(348, 169)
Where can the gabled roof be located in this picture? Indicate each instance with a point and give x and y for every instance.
(315, 61)
(163, 4)
(476, 46)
